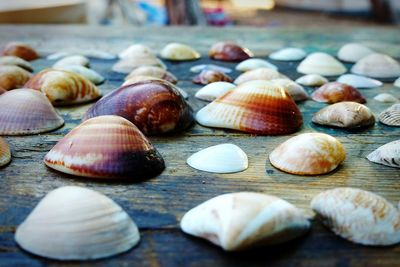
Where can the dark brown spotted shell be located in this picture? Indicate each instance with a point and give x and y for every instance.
(20, 50)
(13, 77)
(334, 92)
(226, 51)
(211, 76)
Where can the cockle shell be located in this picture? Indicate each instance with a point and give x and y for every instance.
(12, 77)
(254, 63)
(243, 220)
(224, 158)
(212, 91)
(322, 64)
(72, 60)
(20, 50)
(136, 50)
(27, 111)
(258, 74)
(106, 147)
(388, 154)
(179, 52)
(89, 74)
(334, 92)
(358, 81)
(226, 51)
(358, 216)
(353, 52)
(312, 80)
(154, 106)
(64, 87)
(126, 65)
(76, 223)
(397, 82)
(345, 115)
(210, 76)
(259, 107)
(153, 71)
(288, 54)
(295, 90)
(201, 67)
(308, 154)
(16, 61)
(5, 153)
(377, 66)
(386, 98)
(391, 115)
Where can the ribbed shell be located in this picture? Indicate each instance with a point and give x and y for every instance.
(226, 51)
(210, 76)
(153, 71)
(179, 52)
(106, 147)
(334, 92)
(391, 115)
(377, 66)
(388, 154)
(322, 64)
(258, 74)
(13, 77)
(20, 50)
(16, 61)
(5, 153)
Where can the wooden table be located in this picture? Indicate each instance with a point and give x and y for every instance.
(158, 204)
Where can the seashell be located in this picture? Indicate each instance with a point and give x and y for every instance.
(64, 87)
(358, 81)
(212, 91)
(16, 61)
(353, 52)
(345, 115)
(93, 53)
(386, 98)
(295, 90)
(312, 80)
(5, 153)
(258, 74)
(27, 111)
(20, 50)
(243, 220)
(377, 66)
(155, 72)
(334, 92)
(388, 154)
(358, 216)
(201, 67)
(179, 52)
(308, 154)
(12, 77)
(127, 65)
(72, 60)
(106, 147)
(210, 76)
(226, 51)
(391, 115)
(322, 64)
(154, 106)
(224, 158)
(89, 74)
(397, 82)
(288, 54)
(259, 107)
(136, 50)
(88, 226)
(254, 63)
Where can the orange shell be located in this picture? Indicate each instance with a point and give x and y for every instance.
(20, 50)
(226, 51)
(210, 76)
(5, 154)
(334, 92)
(13, 77)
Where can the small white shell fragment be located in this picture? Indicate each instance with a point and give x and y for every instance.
(243, 220)
(288, 54)
(136, 50)
(388, 154)
(201, 67)
(312, 80)
(296, 91)
(353, 52)
(72, 60)
(359, 81)
(223, 158)
(377, 65)
(212, 91)
(89, 74)
(397, 82)
(386, 98)
(322, 64)
(254, 63)
(179, 52)
(358, 216)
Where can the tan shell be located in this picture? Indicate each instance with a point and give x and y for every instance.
(13, 77)
(20, 50)
(179, 52)
(312, 80)
(352, 52)
(359, 216)
(322, 64)
(388, 154)
(391, 115)
(377, 66)
(5, 153)
(16, 61)
(152, 71)
(126, 65)
(258, 74)
(295, 90)
(136, 50)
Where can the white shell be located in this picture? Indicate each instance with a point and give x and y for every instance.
(212, 91)
(358, 81)
(288, 54)
(312, 80)
(296, 91)
(224, 158)
(258, 74)
(136, 50)
(72, 60)
(243, 220)
(353, 52)
(377, 66)
(386, 98)
(201, 67)
(391, 115)
(397, 82)
(359, 216)
(94, 53)
(16, 61)
(89, 74)
(388, 154)
(254, 63)
(321, 63)
(127, 65)
(179, 52)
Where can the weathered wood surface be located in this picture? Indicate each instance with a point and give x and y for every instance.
(157, 204)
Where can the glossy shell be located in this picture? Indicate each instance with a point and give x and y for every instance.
(258, 74)
(295, 90)
(13, 77)
(210, 76)
(288, 54)
(322, 64)
(226, 51)
(334, 92)
(353, 52)
(358, 81)
(5, 153)
(312, 80)
(136, 79)
(388, 154)
(16, 61)
(179, 52)
(254, 63)
(212, 91)
(377, 66)
(152, 71)
(391, 115)
(20, 50)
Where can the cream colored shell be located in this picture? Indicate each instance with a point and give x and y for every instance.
(352, 52)
(72, 60)
(295, 90)
(386, 98)
(258, 74)
(388, 154)
(179, 52)
(377, 66)
(312, 80)
(5, 153)
(322, 64)
(254, 63)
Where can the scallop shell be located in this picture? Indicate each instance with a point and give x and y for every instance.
(89, 74)
(127, 65)
(377, 66)
(345, 115)
(358, 216)
(136, 50)
(322, 64)
(223, 158)
(5, 153)
(226, 51)
(386, 98)
(64, 87)
(16, 61)
(334, 92)
(353, 52)
(358, 81)
(152, 71)
(155, 107)
(391, 115)
(308, 154)
(12, 77)
(312, 80)
(27, 111)
(397, 82)
(258, 74)
(243, 220)
(388, 154)
(259, 107)
(295, 90)
(210, 76)
(72, 60)
(212, 91)
(106, 147)
(288, 54)
(88, 226)
(201, 67)
(254, 63)
(20, 50)
(179, 52)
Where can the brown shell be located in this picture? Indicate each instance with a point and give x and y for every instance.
(334, 92)
(226, 51)
(2, 90)
(20, 50)
(153, 71)
(5, 154)
(13, 77)
(155, 107)
(391, 115)
(210, 76)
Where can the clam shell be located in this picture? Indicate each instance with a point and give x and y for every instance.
(308, 154)
(136, 50)
(93, 53)
(179, 52)
(359, 216)
(201, 67)
(391, 115)
(89, 74)
(27, 111)
(397, 82)
(154, 106)
(322, 64)
(334, 92)
(258, 74)
(12, 77)
(16, 61)
(312, 80)
(353, 52)
(5, 153)
(152, 71)
(386, 98)
(210, 76)
(377, 66)
(288, 54)
(224, 158)
(106, 147)
(127, 65)
(388, 154)
(358, 81)
(259, 107)
(64, 87)
(226, 51)
(243, 220)
(345, 115)
(254, 63)
(295, 90)
(20, 50)
(88, 226)
(72, 60)
(212, 91)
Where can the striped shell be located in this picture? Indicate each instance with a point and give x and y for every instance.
(388, 154)
(20, 50)
(322, 64)
(179, 52)
(377, 66)
(5, 153)
(106, 147)
(334, 92)
(258, 74)
(391, 115)
(16, 61)
(152, 71)
(13, 77)
(226, 51)
(210, 76)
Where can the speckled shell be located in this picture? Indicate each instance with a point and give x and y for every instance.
(155, 107)
(226, 51)
(20, 50)
(345, 115)
(308, 154)
(5, 153)
(353, 52)
(152, 71)
(12, 77)
(322, 64)
(16, 61)
(388, 154)
(243, 220)
(136, 50)
(334, 92)
(391, 115)
(377, 66)
(258, 74)
(312, 80)
(359, 216)
(127, 65)
(64, 87)
(295, 90)
(259, 107)
(210, 76)
(27, 111)
(179, 52)
(386, 98)
(288, 54)
(254, 63)
(108, 147)
(72, 60)
(76, 223)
